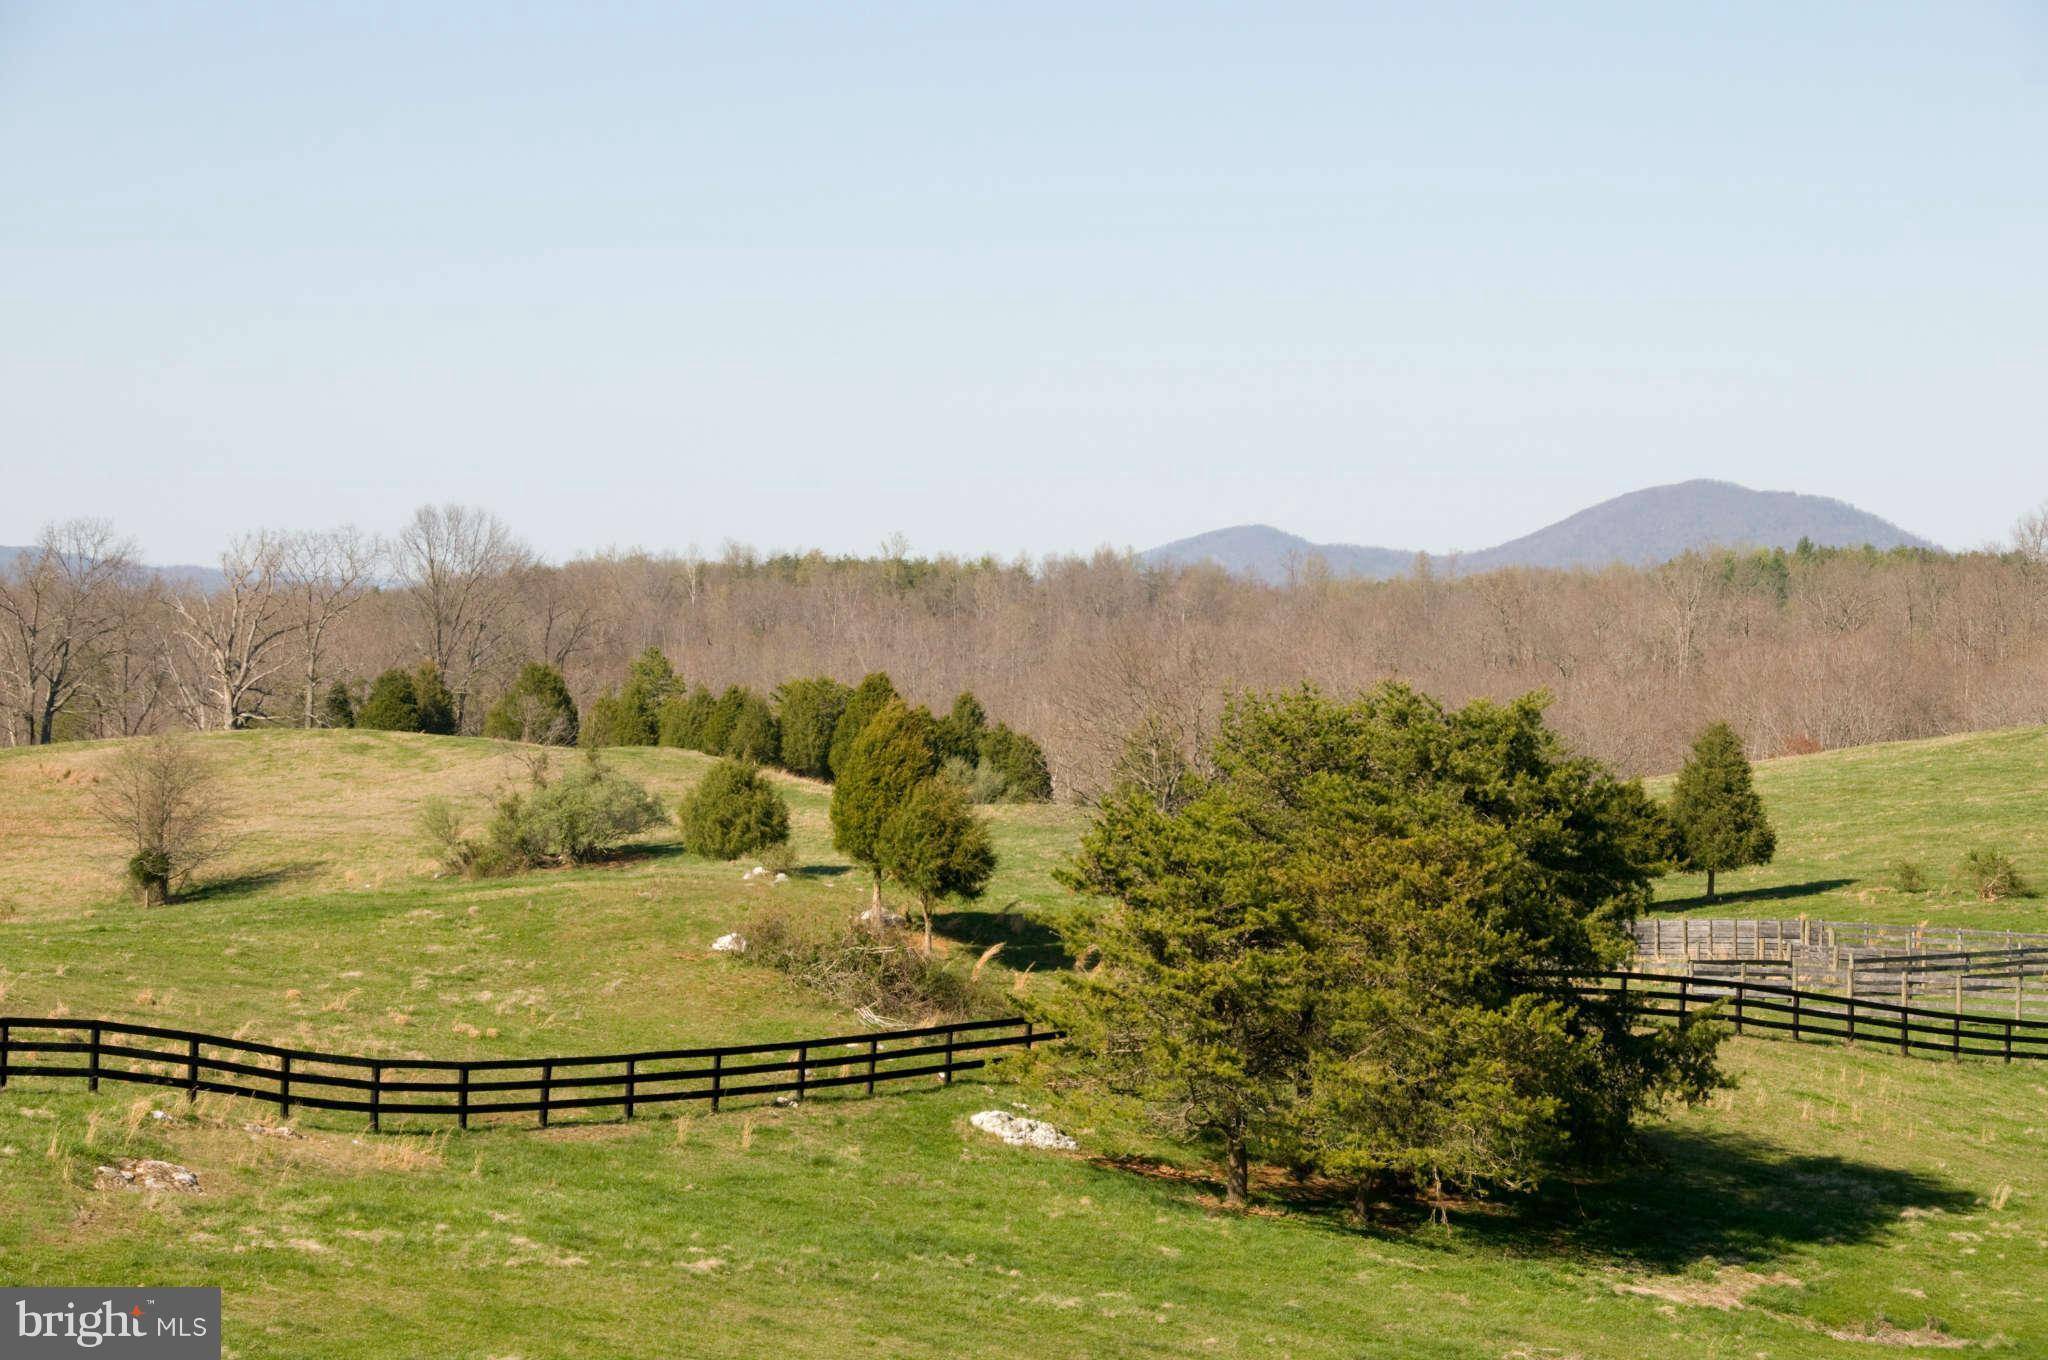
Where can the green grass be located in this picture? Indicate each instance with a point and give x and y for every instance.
(1843, 817)
(1833, 1203)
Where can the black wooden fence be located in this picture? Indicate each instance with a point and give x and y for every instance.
(107, 1050)
(1776, 1008)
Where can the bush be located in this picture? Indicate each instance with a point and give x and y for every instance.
(807, 711)
(393, 705)
(1021, 763)
(883, 975)
(1990, 875)
(436, 704)
(983, 782)
(685, 719)
(650, 683)
(1907, 876)
(165, 802)
(601, 725)
(752, 734)
(338, 710)
(584, 815)
(733, 811)
(536, 709)
(960, 732)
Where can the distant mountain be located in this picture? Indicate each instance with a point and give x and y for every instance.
(177, 574)
(1642, 527)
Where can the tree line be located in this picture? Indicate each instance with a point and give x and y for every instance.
(1801, 650)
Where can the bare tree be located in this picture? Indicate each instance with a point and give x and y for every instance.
(58, 601)
(231, 635)
(461, 567)
(324, 574)
(164, 800)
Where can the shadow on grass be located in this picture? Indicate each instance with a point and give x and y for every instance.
(1027, 942)
(1690, 1196)
(1779, 893)
(246, 885)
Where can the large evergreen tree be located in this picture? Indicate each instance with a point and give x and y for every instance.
(881, 769)
(1338, 951)
(650, 680)
(537, 708)
(753, 735)
(867, 699)
(436, 701)
(935, 845)
(807, 711)
(1715, 811)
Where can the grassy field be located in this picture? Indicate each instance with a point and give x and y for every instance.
(1833, 1203)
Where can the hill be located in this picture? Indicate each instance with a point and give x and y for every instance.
(1639, 528)
(1835, 1202)
(176, 574)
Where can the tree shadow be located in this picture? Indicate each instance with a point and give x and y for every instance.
(820, 870)
(1729, 1198)
(1777, 893)
(1027, 941)
(248, 884)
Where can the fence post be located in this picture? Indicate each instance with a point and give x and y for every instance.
(1955, 1038)
(1029, 1027)
(1905, 1033)
(1682, 985)
(1795, 1015)
(2008, 1041)
(803, 1058)
(284, 1084)
(632, 1067)
(717, 1068)
(1738, 1011)
(376, 1097)
(947, 1078)
(874, 1053)
(6, 1048)
(547, 1078)
(192, 1070)
(462, 1095)
(93, 1081)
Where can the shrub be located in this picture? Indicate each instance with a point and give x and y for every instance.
(1021, 763)
(935, 846)
(165, 803)
(733, 811)
(719, 720)
(807, 711)
(983, 782)
(686, 718)
(584, 815)
(650, 683)
(1908, 876)
(601, 725)
(752, 733)
(868, 698)
(1990, 875)
(436, 701)
(393, 705)
(960, 732)
(536, 709)
(884, 975)
(337, 710)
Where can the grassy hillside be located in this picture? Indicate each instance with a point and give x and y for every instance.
(1832, 1204)
(1844, 816)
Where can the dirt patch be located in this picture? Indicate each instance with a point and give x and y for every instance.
(147, 1173)
(1729, 1288)
(1884, 1334)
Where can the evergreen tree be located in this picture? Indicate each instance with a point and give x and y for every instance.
(338, 710)
(807, 711)
(733, 811)
(538, 708)
(392, 705)
(1021, 762)
(436, 702)
(935, 846)
(881, 769)
(1718, 817)
(650, 681)
(1334, 953)
(686, 720)
(720, 719)
(754, 736)
(868, 698)
(960, 731)
(602, 724)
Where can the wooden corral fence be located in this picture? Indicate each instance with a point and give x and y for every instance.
(1801, 1014)
(93, 1051)
(1729, 938)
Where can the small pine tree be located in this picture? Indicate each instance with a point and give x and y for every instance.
(807, 711)
(1020, 761)
(936, 847)
(338, 710)
(392, 706)
(436, 702)
(753, 735)
(650, 682)
(686, 718)
(960, 731)
(1718, 817)
(882, 768)
(600, 725)
(733, 811)
(537, 709)
(868, 698)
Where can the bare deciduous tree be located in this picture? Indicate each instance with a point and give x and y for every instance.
(461, 567)
(57, 603)
(230, 635)
(165, 802)
(324, 574)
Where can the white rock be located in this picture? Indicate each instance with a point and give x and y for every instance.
(782, 878)
(879, 917)
(1018, 1131)
(734, 943)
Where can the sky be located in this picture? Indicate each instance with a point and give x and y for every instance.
(1015, 278)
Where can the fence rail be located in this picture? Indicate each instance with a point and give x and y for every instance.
(108, 1050)
(1803, 1014)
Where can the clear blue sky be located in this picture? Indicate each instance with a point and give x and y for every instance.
(1020, 277)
